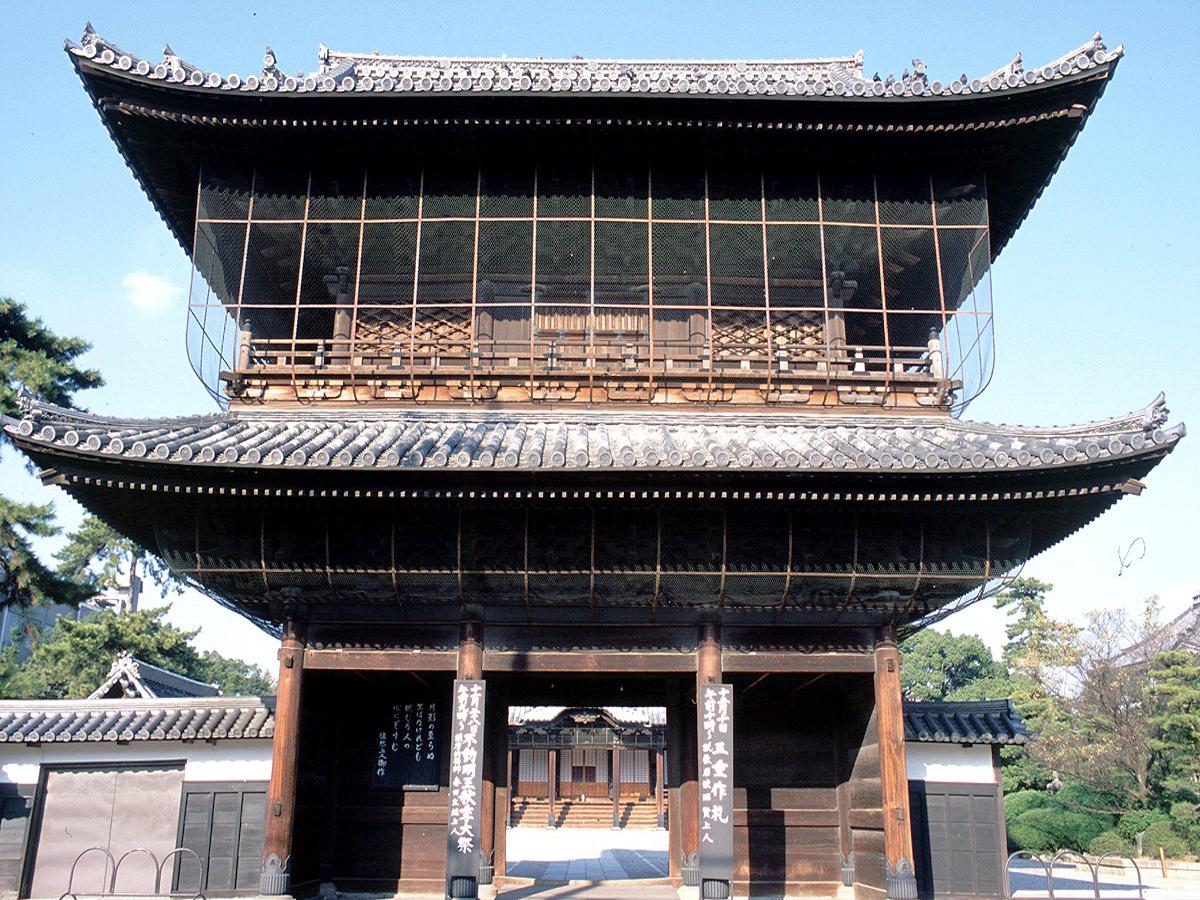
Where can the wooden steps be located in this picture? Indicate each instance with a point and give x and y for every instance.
(591, 813)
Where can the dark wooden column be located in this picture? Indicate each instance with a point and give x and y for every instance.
(893, 771)
(681, 766)
(659, 787)
(615, 773)
(281, 790)
(551, 783)
(841, 764)
(495, 783)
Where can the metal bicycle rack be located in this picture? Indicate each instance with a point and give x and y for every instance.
(1093, 869)
(111, 889)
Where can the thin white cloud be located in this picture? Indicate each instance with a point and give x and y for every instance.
(149, 293)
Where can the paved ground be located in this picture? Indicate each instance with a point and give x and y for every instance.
(586, 854)
(584, 891)
(1028, 880)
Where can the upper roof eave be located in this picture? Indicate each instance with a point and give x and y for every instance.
(338, 73)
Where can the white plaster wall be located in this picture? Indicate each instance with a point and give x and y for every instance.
(237, 760)
(949, 763)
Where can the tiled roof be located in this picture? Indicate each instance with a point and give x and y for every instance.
(1181, 633)
(622, 715)
(964, 722)
(130, 677)
(351, 73)
(547, 440)
(199, 718)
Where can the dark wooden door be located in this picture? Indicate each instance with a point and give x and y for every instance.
(957, 839)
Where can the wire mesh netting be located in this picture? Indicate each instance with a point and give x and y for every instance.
(647, 268)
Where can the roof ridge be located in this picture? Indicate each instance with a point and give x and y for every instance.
(343, 72)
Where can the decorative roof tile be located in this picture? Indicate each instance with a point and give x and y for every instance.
(132, 678)
(562, 440)
(964, 722)
(352, 73)
(139, 719)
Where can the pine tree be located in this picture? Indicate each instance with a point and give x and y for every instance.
(98, 557)
(1175, 681)
(33, 356)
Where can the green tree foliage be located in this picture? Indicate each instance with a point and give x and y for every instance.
(73, 658)
(1051, 828)
(934, 664)
(1109, 842)
(34, 356)
(1134, 822)
(1037, 646)
(1019, 802)
(1164, 835)
(97, 556)
(24, 579)
(234, 676)
(1176, 723)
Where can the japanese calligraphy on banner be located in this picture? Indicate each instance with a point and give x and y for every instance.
(716, 781)
(406, 751)
(466, 780)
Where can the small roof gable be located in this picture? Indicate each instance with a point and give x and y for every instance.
(964, 722)
(1181, 633)
(131, 678)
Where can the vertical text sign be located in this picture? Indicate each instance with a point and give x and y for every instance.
(466, 782)
(716, 782)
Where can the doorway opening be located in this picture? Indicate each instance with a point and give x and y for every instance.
(589, 793)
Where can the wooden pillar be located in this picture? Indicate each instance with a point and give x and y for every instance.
(708, 655)
(495, 791)
(615, 773)
(708, 671)
(681, 774)
(841, 764)
(551, 783)
(893, 771)
(659, 771)
(281, 790)
(470, 650)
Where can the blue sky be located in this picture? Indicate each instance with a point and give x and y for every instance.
(1096, 298)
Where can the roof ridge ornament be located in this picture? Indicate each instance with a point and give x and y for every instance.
(377, 73)
(1156, 414)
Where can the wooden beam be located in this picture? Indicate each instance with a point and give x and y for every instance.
(784, 663)
(275, 879)
(382, 660)
(893, 771)
(597, 661)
